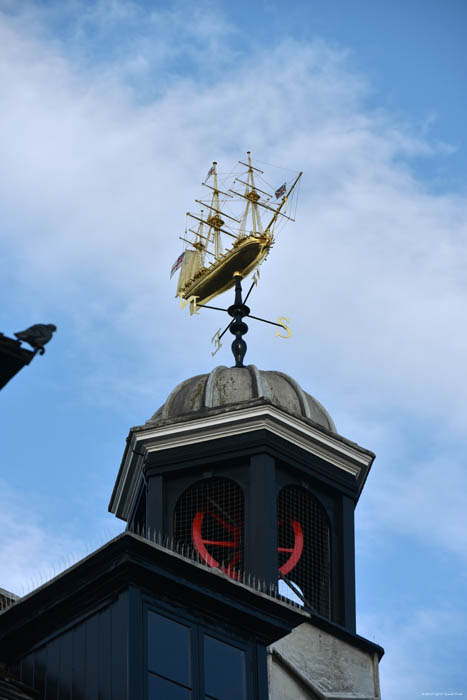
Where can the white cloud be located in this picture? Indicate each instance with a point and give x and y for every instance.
(31, 550)
(95, 185)
(419, 493)
(95, 182)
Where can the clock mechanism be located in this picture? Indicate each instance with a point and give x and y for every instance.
(209, 521)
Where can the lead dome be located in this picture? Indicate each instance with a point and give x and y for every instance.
(234, 387)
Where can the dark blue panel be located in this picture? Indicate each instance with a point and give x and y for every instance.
(53, 669)
(160, 689)
(169, 648)
(92, 658)
(137, 680)
(79, 663)
(119, 647)
(66, 665)
(40, 658)
(224, 670)
(105, 646)
(27, 671)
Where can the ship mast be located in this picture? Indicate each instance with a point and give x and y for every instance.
(214, 220)
(252, 198)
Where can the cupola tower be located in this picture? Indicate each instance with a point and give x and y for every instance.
(246, 471)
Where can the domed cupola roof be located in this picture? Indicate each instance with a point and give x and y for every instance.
(234, 387)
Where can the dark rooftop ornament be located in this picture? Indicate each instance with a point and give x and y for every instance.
(238, 310)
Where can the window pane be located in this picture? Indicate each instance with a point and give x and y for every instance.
(169, 652)
(224, 670)
(160, 689)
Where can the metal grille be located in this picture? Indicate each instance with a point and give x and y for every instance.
(304, 546)
(209, 521)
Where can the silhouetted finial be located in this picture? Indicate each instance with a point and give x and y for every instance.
(238, 310)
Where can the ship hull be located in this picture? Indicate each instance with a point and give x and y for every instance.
(219, 277)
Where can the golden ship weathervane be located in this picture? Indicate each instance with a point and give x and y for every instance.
(207, 269)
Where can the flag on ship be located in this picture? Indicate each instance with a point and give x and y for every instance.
(280, 191)
(177, 264)
(211, 172)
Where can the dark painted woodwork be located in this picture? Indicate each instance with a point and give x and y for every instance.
(136, 639)
(53, 670)
(83, 634)
(138, 520)
(12, 358)
(105, 665)
(347, 553)
(85, 662)
(260, 530)
(155, 504)
(262, 686)
(197, 457)
(66, 667)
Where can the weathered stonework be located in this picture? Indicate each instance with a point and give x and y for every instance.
(312, 664)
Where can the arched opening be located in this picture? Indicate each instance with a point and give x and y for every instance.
(208, 520)
(304, 546)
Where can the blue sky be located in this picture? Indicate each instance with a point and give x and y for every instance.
(111, 114)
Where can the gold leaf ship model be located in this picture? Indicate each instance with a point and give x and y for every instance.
(206, 268)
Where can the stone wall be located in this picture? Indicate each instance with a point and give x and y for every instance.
(314, 665)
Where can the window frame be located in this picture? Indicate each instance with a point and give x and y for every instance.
(199, 626)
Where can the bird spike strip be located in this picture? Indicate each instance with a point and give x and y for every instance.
(189, 553)
(244, 578)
